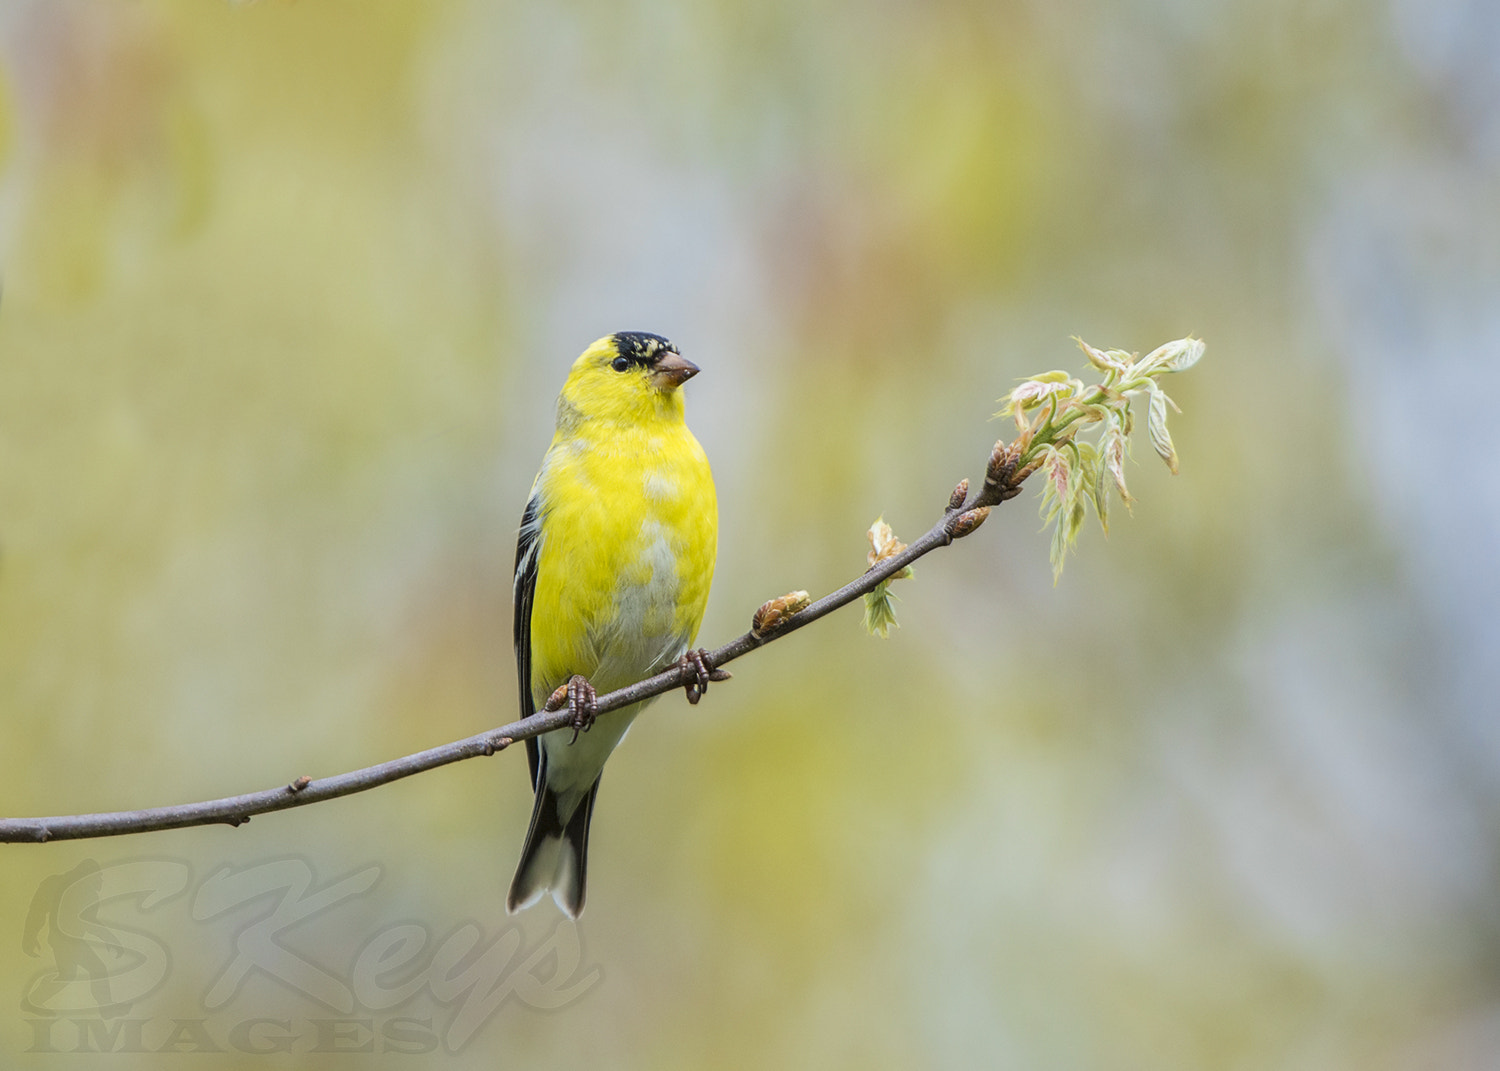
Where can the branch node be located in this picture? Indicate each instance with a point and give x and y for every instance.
(969, 520)
(494, 744)
(299, 784)
(1020, 478)
(1001, 480)
(774, 613)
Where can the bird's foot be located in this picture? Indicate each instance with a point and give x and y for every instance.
(696, 668)
(581, 700)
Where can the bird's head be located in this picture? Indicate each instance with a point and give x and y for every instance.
(630, 377)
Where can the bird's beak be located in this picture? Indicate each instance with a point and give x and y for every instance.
(672, 371)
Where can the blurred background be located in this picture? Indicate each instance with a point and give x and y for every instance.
(289, 290)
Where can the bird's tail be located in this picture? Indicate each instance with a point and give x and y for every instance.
(556, 853)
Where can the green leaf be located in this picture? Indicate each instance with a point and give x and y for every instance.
(880, 611)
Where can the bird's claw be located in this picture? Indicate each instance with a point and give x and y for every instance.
(696, 664)
(581, 700)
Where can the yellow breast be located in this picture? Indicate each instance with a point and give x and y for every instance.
(629, 527)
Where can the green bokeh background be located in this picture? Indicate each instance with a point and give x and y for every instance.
(289, 288)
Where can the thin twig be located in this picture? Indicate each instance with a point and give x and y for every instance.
(1049, 410)
(236, 810)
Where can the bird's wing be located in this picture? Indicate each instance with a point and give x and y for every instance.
(528, 549)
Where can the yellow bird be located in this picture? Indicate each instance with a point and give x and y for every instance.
(613, 565)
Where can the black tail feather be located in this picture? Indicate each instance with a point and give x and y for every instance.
(556, 852)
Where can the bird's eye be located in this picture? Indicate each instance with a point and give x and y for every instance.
(619, 364)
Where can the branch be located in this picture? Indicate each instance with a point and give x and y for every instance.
(1008, 468)
(236, 810)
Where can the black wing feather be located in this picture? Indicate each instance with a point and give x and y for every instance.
(528, 547)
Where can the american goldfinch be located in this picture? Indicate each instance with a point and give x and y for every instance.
(613, 565)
